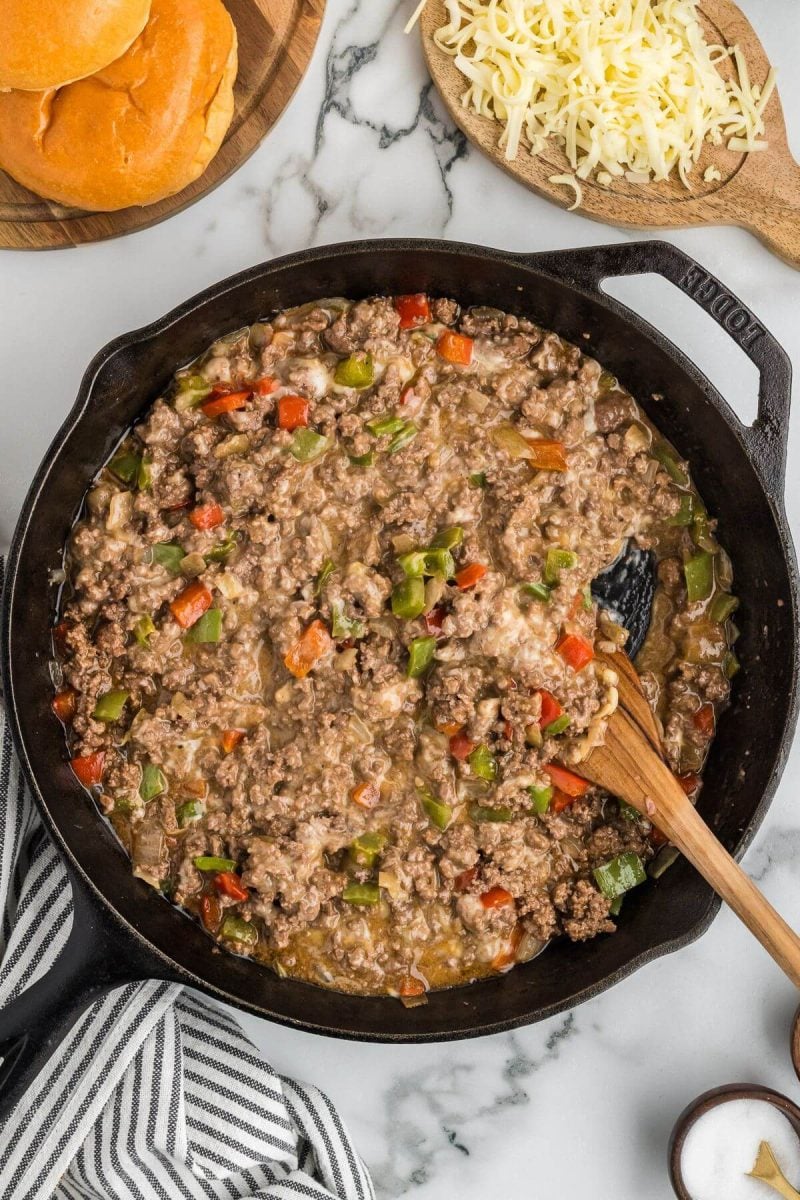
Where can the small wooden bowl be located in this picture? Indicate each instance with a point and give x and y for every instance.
(796, 1043)
(708, 1100)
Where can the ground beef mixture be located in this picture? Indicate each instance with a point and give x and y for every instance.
(328, 626)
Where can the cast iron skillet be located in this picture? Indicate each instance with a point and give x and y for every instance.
(123, 930)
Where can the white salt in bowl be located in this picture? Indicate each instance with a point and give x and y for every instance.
(715, 1142)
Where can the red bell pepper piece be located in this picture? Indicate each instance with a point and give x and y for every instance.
(496, 897)
(703, 720)
(190, 605)
(230, 884)
(313, 643)
(468, 576)
(292, 412)
(225, 404)
(576, 651)
(231, 739)
(63, 705)
(561, 800)
(265, 386)
(412, 310)
(89, 768)
(566, 780)
(411, 986)
(210, 912)
(551, 709)
(465, 880)
(207, 516)
(455, 348)
(461, 746)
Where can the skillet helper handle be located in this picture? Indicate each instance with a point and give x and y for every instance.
(766, 439)
(94, 961)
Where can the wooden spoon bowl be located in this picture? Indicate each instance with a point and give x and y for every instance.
(760, 191)
(629, 764)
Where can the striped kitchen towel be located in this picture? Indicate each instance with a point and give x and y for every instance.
(156, 1094)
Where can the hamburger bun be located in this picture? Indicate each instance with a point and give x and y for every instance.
(140, 129)
(47, 43)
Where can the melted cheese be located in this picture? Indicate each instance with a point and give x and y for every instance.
(628, 87)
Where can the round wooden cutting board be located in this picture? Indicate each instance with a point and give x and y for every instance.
(760, 191)
(276, 40)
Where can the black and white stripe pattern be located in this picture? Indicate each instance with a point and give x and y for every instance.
(156, 1094)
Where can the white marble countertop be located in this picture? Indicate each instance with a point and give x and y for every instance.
(582, 1104)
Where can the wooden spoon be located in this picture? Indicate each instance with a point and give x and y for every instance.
(629, 765)
(767, 1169)
(760, 191)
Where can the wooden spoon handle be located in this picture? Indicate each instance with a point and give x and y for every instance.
(627, 767)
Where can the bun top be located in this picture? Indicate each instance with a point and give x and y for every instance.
(46, 43)
(138, 130)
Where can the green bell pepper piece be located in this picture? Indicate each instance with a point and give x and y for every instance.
(667, 458)
(723, 606)
(440, 562)
(192, 389)
(699, 573)
(437, 813)
(402, 438)
(618, 876)
(448, 539)
(168, 555)
(385, 424)
(362, 893)
(556, 561)
(190, 810)
(308, 445)
(326, 570)
(144, 476)
(420, 656)
(556, 727)
(478, 479)
(110, 705)
(126, 466)
(615, 906)
(731, 665)
(537, 591)
(357, 371)
(480, 812)
(541, 797)
(412, 563)
(364, 849)
(144, 629)
(483, 763)
(212, 862)
(236, 929)
(685, 513)
(207, 629)
(343, 626)
(628, 811)
(223, 550)
(408, 599)
(153, 782)
(363, 460)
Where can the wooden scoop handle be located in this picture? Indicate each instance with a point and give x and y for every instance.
(769, 205)
(627, 766)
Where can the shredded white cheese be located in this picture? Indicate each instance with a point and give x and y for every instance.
(629, 88)
(571, 182)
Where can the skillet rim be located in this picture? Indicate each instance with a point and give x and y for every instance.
(550, 264)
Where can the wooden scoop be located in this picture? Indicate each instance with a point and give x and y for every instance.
(629, 765)
(766, 1168)
(760, 191)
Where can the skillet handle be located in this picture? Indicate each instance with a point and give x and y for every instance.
(766, 439)
(97, 958)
